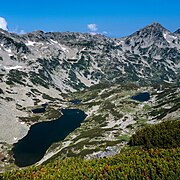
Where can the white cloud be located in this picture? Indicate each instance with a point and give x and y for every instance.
(3, 24)
(22, 32)
(17, 30)
(105, 32)
(92, 27)
(93, 30)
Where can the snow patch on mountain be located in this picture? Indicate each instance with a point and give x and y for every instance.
(30, 43)
(12, 67)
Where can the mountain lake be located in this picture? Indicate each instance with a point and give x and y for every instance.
(41, 136)
(144, 96)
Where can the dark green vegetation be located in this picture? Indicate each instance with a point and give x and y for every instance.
(136, 164)
(151, 164)
(163, 135)
(16, 77)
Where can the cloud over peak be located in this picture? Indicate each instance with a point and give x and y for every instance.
(3, 24)
(92, 27)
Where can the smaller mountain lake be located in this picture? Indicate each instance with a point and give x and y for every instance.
(144, 96)
(39, 110)
(76, 101)
(41, 136)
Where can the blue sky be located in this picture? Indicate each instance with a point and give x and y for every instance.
(117, 18)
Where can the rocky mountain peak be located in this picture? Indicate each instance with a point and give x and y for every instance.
(38, 32)
(177, 31)
(153, 34)
(156, 25)
(154, 30)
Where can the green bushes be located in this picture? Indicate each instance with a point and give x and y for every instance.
(137, 164)
(16, 76)
(163, 135)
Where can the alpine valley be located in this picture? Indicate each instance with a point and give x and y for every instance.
(96, 74)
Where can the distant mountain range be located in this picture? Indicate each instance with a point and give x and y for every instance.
(41, 67)
(71, 61)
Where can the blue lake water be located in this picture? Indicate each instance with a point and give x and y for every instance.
(144, 96)
(41, 136)
(39, 110)
(76, 101)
